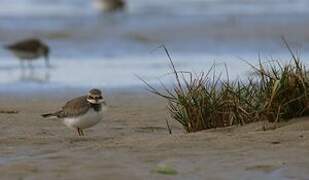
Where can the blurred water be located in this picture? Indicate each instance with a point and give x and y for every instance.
(90, 48)
(175, 7)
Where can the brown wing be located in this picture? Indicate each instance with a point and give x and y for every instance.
(25, 45)
(74, 107)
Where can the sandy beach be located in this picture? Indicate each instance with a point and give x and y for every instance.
(90, 48)
(132, 142)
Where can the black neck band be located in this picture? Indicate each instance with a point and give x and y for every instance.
(96, 107)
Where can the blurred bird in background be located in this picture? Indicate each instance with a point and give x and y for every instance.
(109, 5)
(29, 50)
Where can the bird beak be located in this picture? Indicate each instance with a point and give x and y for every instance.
(101, 101)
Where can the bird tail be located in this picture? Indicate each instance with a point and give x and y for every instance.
(49, 115)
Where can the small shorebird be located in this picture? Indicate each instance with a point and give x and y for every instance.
(81, 112)
(29, 49)
(109, 5)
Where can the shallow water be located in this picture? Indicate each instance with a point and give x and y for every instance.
(90, 48)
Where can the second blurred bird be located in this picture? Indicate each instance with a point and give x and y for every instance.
(109, 5)
(29, 50)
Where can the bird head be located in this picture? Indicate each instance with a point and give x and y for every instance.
(95, 97)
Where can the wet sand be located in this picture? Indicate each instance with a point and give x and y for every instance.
(132, 142)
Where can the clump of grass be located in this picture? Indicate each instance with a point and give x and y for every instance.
(278, 92)
(205, 101)
(283, 88)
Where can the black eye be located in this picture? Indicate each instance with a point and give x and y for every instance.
(90, 97)
(98, 97)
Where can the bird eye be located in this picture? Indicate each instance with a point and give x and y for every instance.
(98, 97)
(90, 97)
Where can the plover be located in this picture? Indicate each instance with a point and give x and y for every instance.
(81, 112)
(30, 49)
(109, 5)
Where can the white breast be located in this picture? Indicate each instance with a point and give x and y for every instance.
(87, 120)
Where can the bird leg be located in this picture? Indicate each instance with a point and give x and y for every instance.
(30, 65)
(22, 68)
(79, 133)
(47, 64)
(21, 62)
(82, 132)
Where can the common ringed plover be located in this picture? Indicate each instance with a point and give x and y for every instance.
(81, 112)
